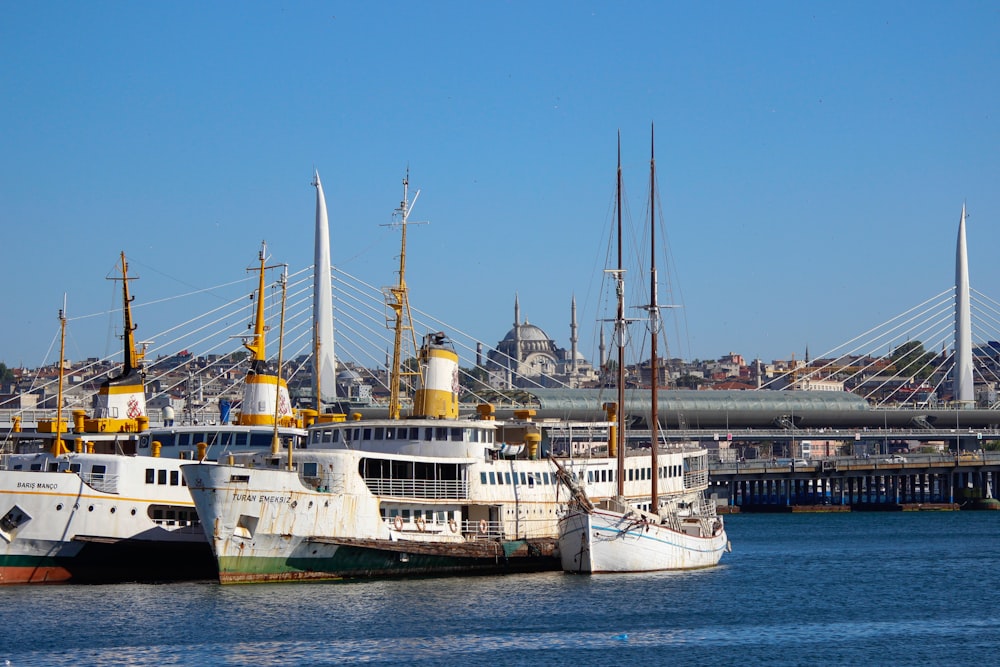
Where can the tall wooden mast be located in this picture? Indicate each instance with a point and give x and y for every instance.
(398, 300)
(620, 332)
(654, 330)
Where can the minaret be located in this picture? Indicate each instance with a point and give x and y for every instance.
(963, 382)
(517, 334)
(601, 349)
(573, 337)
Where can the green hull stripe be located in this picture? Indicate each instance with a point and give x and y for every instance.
(359, 562)
(29, 561)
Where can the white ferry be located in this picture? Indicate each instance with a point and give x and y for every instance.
(116, 507)
(432, 494)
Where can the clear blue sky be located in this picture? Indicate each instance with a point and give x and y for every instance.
(813, 157)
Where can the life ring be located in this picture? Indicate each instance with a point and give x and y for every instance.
(453, 525)
(398, 522)
(420, 524)
(482, 526)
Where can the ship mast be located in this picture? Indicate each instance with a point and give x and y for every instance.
(620, 332)
(398, 300)
(131, 355)
(58, 447)
(654, 330)
(257, 343)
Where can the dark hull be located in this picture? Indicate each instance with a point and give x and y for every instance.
(347, 559)
(103, 561)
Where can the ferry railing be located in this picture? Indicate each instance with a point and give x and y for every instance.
(101, 481)
(483, 530)
(695, 479)
(418, 488)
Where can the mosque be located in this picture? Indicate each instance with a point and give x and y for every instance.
(527, 357)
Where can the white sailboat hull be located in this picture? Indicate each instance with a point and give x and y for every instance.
(603, 541)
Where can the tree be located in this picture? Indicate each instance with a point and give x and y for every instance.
(910, 359)
(474, 379)
(6, 375)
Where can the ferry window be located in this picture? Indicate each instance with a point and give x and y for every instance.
(531, 479)
(406, 515)
(150, 476)
(429, 515)
(36, 467)
(310, 469)
(482, 478)
(241, 439)
(499, 477)
(456, 434)
(522, 479)
(335, 436)
(440, 433)
(380, 433)
(414, 433)
(74, 467)
(428, 433)
(507, 477)
(545, 478)
(590, 475)
(98, 471)
(441, 517)
(493, 479)
(630, 474)
(175, 477)
(366, 434)
(489, 436)
(604, 475)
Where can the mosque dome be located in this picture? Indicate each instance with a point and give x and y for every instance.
(529, 332)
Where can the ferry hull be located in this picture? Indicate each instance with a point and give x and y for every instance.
(145, 561)
(56, 527)
(383, 559)
(601, 542)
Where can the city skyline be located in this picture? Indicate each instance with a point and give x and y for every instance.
(813, 159)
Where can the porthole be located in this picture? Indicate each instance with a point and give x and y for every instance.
(295, 504)
(90, 509)
(310, 504)
(59, 507)
(113, 510)
(133, 511)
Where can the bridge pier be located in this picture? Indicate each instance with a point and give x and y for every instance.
(919, 482)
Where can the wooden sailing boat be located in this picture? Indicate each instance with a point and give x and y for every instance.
(682, 532)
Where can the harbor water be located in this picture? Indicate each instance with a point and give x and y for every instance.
(820, 589)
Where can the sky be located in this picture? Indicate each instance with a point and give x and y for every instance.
(812, 157)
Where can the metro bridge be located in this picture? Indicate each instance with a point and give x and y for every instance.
(913, 482)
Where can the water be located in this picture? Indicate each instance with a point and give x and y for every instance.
(835, 589)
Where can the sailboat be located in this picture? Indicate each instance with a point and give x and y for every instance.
(678, 532)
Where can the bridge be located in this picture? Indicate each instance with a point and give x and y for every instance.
(890, 483)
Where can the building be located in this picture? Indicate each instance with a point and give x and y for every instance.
(528, 357)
